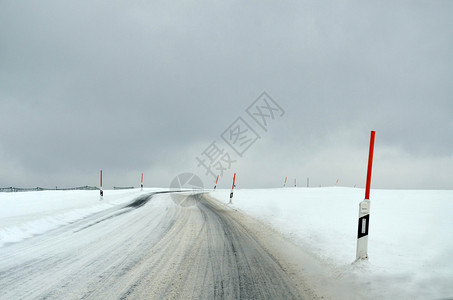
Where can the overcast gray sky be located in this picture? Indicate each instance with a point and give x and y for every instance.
(147, 86)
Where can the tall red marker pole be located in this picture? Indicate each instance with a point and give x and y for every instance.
(370, 166)
(217, 180)
(141, 184)
(232, 188)
(285, 181)
(101, 192)
(364, 209)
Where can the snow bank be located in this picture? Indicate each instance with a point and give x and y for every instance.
(410, 240)
(26, 214)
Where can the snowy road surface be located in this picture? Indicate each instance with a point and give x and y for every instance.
(157, 247)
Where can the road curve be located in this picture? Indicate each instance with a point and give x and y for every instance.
(154, 248)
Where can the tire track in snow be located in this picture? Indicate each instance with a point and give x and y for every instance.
(157, 251)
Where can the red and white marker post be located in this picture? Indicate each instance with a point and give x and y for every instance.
(295, 182)
(285, 181)
(364, 209)
(141, 184)
(216, 181)
(101, 192)
(232, 188)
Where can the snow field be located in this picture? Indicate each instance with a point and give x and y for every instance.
(25, 214)
(410, 243)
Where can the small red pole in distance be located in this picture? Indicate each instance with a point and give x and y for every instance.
(101, 192)
(285, 181)
(364, 209)
(141, 183)
(217, 180)
(232, 188)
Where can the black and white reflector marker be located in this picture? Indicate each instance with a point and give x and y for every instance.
(363, 226)
(362, 233)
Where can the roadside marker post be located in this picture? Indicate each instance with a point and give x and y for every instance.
(285, 181)
(232, 188)
(141, 185)
(217, 180)
(101, 192)
(295, 182)
(364, 209)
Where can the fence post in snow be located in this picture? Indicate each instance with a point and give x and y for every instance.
(364, 209)
(232, 188)
(141, 184)
(217, 180)
(101, 192)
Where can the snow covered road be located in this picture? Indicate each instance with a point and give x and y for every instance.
(159, 246)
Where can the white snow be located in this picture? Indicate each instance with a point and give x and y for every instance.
(25, 214)
(410, 244)
(410, 240)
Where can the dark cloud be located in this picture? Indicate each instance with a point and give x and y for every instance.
(132, 87)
